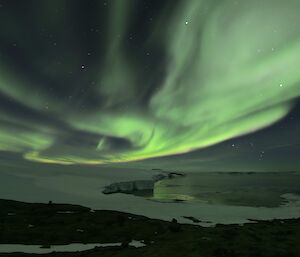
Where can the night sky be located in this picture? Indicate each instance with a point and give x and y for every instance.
(202, 85)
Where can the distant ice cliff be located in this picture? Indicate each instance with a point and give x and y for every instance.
(129, 187)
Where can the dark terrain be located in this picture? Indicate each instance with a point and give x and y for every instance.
(45, 224)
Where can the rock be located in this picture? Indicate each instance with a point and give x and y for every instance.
(143, 185)
(174, 226)
(126, 186)
(174, 220)
(193, 219)
(158, 177)
(175, 174)
(111, 189)
(129, 186)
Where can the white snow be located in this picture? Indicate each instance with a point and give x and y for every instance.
(10, 248)
(84, 188)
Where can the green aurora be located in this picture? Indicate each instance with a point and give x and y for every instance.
(229, 68)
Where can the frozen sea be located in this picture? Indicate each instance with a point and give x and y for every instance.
(227, 198)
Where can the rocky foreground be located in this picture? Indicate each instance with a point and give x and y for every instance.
(52, 224)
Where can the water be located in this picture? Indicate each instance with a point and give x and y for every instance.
(237, 189)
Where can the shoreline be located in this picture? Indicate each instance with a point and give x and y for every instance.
(85, 189)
